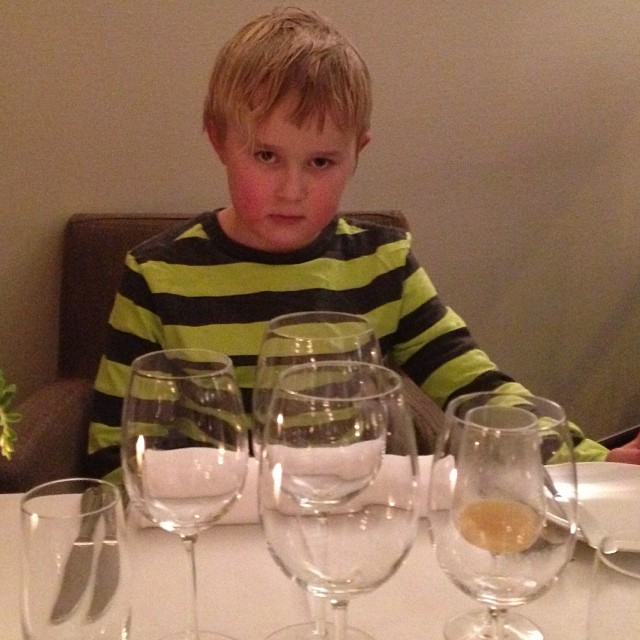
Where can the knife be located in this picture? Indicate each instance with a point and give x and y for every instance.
(590, 528)
(108, 568)
(77, 570)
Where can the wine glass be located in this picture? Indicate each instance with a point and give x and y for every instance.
(184, 447)
(308, 336)
(338, 483)
(502, 530)
(296, 338)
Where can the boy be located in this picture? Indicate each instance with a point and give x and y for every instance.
(287, 113)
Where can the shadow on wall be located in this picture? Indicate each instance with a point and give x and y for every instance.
(606, 373)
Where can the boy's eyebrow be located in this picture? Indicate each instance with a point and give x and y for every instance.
(261, 144)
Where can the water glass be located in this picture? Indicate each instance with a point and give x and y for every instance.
(75, 573)
(614, 603)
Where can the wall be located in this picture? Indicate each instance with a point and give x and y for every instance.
(509, 133)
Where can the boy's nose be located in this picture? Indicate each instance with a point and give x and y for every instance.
(292, 185)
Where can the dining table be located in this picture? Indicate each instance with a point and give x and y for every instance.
(243, 593)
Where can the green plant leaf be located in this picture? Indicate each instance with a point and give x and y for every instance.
(7, 439)
(7, 435)
(6, 394)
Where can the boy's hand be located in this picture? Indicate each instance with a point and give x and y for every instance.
(629, 452)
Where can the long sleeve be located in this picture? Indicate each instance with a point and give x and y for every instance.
(134, 329)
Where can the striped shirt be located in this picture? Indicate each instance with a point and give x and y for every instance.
(192, 286)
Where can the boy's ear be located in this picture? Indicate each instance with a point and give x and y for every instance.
(364, 141)
(216, 141)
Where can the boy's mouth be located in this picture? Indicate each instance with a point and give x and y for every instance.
(286, 219)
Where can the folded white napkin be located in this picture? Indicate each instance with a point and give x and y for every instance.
(245, 509)
(316, 474)
(193, 472)
(180, 477)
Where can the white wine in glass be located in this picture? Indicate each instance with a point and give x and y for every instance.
(502, 531)
(184, 447)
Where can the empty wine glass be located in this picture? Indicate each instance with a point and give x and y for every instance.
(184, 447)
(338, 483)
(502, 531)
(296, 338)
(308, 336)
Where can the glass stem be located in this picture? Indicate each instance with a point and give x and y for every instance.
(340, 618)
(496, 622)
(319, 617)
(318, 603)
(189, 542)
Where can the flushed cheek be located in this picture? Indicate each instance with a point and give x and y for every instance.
(327, 194)
(324, 208)
(250, 192)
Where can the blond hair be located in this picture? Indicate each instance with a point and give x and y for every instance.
(289, 52)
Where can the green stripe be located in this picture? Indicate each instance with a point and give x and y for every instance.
(113, 378)
(449, 322)
(455, 374)
(101, 436)
(196, 231)
(139, 321)
(232, 339)
(231, 279)
(418, 289)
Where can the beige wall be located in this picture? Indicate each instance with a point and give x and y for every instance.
(508, 131)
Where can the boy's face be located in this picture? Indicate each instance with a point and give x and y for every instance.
(287, 187)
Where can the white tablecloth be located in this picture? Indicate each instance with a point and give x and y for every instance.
(242, 592)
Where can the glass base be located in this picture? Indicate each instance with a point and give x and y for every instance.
(308, 631)
(477, 625)
(202, 635)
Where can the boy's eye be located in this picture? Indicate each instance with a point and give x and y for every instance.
(321, 163)
(265, 156)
